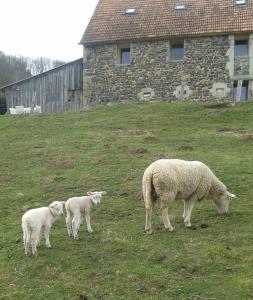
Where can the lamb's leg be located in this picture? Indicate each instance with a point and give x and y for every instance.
(69, 224)
(188, 206)
(166, 201)
(35, 235)
(26, 238)
(148, 229)
(46, 235)
(87, 219)
(75, 226)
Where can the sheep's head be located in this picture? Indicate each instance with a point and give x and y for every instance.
(56, 208)
(96, 196)
(222, 202)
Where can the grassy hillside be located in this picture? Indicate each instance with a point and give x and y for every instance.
(55, 156)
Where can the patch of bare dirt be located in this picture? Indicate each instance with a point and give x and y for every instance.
(236, 132)
(185, 148)
(139, 151)
(98, 160)
(64, 164)
(151, 139)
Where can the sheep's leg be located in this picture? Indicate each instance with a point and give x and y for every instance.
(26, 239)
(166, 201)
(27, 248)
(166, 220)
(87, 219)
(188, 206)
(69, 224)
(46, 235)
(75, 226)
(184, 214)
(148, 229)
(34, 240)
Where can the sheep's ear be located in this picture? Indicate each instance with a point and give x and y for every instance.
(52, 205)
(231, 196)
(90, 193)
(103, 193)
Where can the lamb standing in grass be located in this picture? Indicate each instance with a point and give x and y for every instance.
(78, 207)
(36, 219)
(190, 181)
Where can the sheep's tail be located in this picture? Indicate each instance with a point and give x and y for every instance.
(148, 190)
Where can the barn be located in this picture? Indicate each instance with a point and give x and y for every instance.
(56, 90)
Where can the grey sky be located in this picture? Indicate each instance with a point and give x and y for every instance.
(48, 28)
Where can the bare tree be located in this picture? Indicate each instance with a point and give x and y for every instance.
(12, 68)
(15, 68)
(42, 64)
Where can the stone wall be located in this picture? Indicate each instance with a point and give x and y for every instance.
(153, 75)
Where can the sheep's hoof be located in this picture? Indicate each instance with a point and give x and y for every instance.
(187, 224)
(49, 246)
(169, 229)
(148, 231)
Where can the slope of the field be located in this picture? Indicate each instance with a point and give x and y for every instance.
(55, 156)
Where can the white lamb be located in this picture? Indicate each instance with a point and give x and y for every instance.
(190, 181)
(36, 219)
(78, 207)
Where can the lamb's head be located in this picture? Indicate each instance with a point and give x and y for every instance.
(96, 196)
(222, 201)
(56, 208)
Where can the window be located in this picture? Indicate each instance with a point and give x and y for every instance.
(241, 48)
(179, 7)
(125, 57)
(146, 94)
(130, 10)
(238, 2)
(177, 51)
(220, 92)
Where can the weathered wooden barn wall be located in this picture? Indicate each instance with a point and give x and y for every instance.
(57, 90)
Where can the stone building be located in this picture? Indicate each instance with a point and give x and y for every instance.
(169, 50)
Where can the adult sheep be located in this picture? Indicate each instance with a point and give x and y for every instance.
(190, 181)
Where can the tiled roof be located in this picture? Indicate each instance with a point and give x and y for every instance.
(158, 18)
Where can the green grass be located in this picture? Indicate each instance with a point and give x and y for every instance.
(55, 156)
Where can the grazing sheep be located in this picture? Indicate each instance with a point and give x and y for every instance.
(77, 207)
(36, 219)
(170, 179)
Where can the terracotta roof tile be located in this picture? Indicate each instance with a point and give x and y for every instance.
(158, 18)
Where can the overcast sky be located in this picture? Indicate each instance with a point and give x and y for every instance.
(48, 28)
